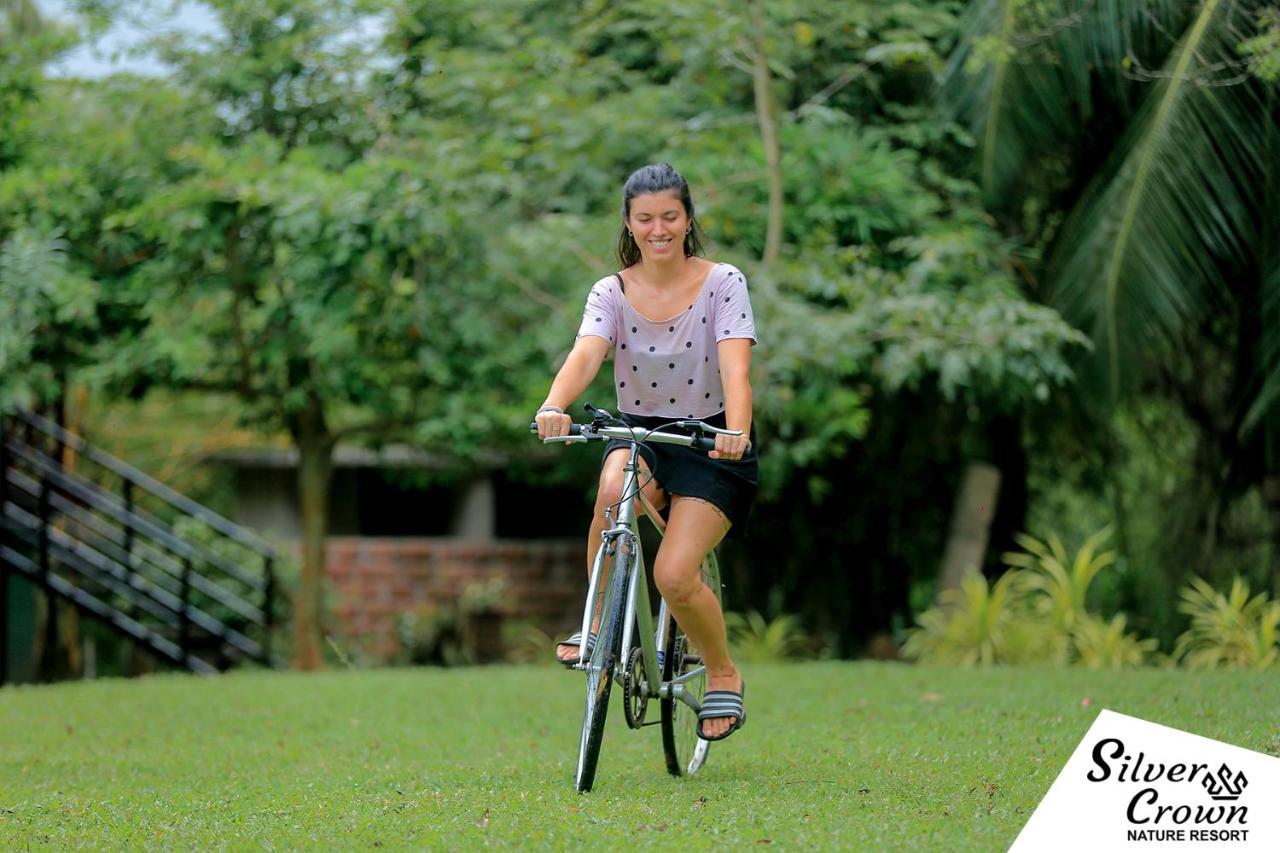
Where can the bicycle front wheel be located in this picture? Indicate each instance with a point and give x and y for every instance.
(604, 660)
(682, 667)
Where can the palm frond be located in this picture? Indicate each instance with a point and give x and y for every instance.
(1024, 77)
(1149, 247)
(1235, 631)
(1263, 406)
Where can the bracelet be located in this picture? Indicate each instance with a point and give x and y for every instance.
(556, 409)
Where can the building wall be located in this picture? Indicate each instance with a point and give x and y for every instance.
(374, 581)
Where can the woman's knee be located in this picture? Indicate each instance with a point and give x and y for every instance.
(610, 489)
(677, 580)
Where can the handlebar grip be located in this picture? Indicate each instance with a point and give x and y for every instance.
(574, 429)
(704, 444)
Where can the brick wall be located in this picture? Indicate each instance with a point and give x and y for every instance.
(375, 580)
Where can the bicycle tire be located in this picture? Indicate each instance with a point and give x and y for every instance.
(684, 750)
(604, 660)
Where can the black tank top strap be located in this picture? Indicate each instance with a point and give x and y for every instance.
(622, 284)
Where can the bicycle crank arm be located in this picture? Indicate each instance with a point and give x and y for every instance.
(675, 690)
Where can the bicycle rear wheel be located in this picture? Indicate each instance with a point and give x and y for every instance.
(600, 669)
(684, 750)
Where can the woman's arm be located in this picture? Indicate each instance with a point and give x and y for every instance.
(735, 376)
(574, 376)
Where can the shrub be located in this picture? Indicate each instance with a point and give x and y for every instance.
(465, 631)
(1232, 631)
(754, 640)
(1035, 613)
(1099, 644)
(1065, 588)
(977, 624)
(525, 642)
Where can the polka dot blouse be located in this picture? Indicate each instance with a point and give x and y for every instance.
(671, 367)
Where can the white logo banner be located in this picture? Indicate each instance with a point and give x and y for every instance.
(1134, 785)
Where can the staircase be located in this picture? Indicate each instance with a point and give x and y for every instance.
(173, 576)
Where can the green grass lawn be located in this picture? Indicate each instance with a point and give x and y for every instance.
(843, 755)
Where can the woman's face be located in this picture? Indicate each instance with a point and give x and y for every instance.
(658, 223)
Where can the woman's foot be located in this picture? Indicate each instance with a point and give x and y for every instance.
(729, 679)
(567, 653)
(567, 650)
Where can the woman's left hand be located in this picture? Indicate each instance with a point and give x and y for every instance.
(730, 447)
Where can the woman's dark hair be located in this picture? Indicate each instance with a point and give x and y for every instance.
(651, 180)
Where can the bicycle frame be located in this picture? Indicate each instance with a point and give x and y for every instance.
(622, 539)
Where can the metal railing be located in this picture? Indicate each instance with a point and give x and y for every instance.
(124, 548)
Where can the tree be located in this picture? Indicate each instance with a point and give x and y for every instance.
(1134, 145)
(310, 263)
(372, 240)
(886, 295)
(44, 300)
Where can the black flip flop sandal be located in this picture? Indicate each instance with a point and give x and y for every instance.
(723, 703)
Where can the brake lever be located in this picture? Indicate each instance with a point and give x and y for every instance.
(601, 417)
(565, 439)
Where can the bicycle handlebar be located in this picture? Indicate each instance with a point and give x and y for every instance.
(590, 432)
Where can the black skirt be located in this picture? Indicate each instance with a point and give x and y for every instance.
(730, 484)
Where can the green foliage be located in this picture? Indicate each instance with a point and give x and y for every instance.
(91, 151)
(1036, 612)
(1149, 476)
(457, 632)
(526, 643)
(394, 236)
(1263, 49)
(1099, 644)
(977, 624)
(1080, 115)
(1139, 261)
(48, 311)
(1063, 582)
(28, 40)
(1231, 631)
(753, 639)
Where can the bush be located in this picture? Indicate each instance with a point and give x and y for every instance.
(977, 624)
(753, 640)
(466, 631)
(1099, 644)
(1036, 612)
(1232, 631)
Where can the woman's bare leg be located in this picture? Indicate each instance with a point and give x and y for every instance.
(694, 527)
(612, 474)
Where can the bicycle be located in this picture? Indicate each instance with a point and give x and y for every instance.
(622, 603)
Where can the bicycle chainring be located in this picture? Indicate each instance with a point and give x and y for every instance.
(634, 704)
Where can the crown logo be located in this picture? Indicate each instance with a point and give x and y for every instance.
(1225, 786)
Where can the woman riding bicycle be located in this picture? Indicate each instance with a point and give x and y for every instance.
(681, 331)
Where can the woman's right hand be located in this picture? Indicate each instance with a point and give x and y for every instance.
(552, 423)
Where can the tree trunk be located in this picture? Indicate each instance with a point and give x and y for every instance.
(1009, 455)
(761, 83)
(970, 525)
(315, 467)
